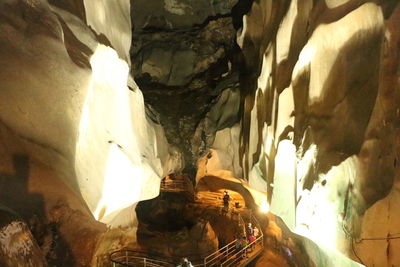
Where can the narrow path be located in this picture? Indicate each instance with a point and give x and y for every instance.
(226, 256)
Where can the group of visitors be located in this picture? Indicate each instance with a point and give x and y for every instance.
(242, 240)
(252, 233)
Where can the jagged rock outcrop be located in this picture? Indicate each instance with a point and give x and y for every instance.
(321, 118)
(17, 245)
(81, 108)
(73, 126)
(301, 99)
(184, 57)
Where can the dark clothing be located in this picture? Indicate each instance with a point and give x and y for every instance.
(249, 231)
(226, 200)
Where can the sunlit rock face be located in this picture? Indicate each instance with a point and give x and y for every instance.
(112, 19)
(319, 133)
(184, 59)
(68, 101)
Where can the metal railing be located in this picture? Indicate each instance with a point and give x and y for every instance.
(178, 185)
(174, 185)
(216, 258)
(242, 256)
(132, 258)
(227, 256)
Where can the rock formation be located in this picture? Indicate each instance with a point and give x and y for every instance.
(291, 103)
(320, 127)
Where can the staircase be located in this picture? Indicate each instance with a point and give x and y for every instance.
(134, 258)
(230, 256)
(180, 184)
(226, 256)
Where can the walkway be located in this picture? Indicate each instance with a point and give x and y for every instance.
(178, 184)
(226, 256)
(127, 257)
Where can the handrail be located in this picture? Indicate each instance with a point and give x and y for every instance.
(224, 247)
(236, 257)
(178, 185)
(127, 257)
(213, 257)
(227, 256)
(242, 223)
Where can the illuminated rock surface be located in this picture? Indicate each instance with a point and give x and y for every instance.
(336, 60)
(291, 104)
(73, 127)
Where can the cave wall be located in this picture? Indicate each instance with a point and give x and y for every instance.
(316, 84)
(319, 131)
(69, 102)
(184, 59)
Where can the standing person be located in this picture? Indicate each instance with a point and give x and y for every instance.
(256, 232)
(251, 238)
(243, 244)
(226, 199)
(249, 230)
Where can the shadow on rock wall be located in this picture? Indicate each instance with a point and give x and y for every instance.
(30, 208)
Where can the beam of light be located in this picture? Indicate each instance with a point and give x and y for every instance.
(283, 202)
(264, 207)
(108, 177)
(122, 183)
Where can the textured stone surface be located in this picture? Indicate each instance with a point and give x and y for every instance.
(113, 20)
(176, 14)
(323, 77)
(185, 60)
(17, 245)
(316, 84)
(76, 107)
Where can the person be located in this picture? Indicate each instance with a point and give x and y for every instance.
(185, 263)
(238, 243)
(256, 232)
(238, 246)
(251, 238)
(226, 199)
(249, 230)
(243, 244)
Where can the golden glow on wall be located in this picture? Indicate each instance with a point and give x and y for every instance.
(264, 207)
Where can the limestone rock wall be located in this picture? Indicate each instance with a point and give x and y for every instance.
(319, 132)
(185, 60)
(67, 100)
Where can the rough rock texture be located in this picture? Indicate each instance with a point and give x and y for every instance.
(185, 59)
(78, 113)
(76, 143)
(315, 84)
(321, 119)
(17, 245)
(170, 226)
